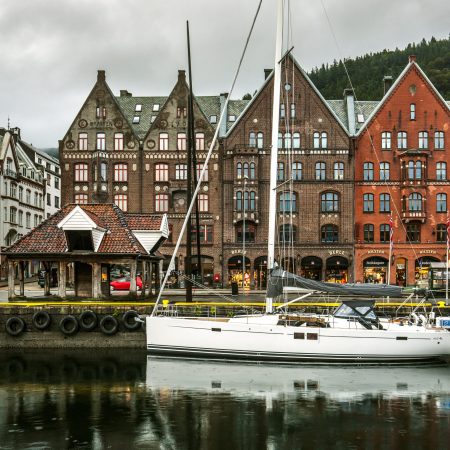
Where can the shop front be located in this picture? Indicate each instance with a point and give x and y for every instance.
(375, 270)
(311, 267)
(260, 272)
(401, 271)
(422, 269)
(236, 270)
(336, 269)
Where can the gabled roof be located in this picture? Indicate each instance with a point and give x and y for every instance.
(118, 239)
(361, 107)
(305, 75)
(411, 64)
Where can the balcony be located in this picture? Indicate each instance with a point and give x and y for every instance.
(408, 216)
(251, 216)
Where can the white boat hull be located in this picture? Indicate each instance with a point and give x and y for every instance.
(265, 341)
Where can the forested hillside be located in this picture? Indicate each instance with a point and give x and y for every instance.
(367, 72)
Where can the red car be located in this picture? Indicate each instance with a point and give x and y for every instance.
(123, 284)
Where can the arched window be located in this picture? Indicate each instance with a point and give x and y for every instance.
(239, 170)
(252, 139)
(320, 171)
(252, 201)
(103, 171)
(245, 168)
(441, 202)
(441, 171)
(411, 171)
(316, 139)
(368, 233)
(412, 111)
(282, 111)
(415, 202)
(287, 202)
(260, 140)
(288, 234)
(384, 171)
(252, 174)
(324, 139)
(418, 170)
(287, 140)
(385, 232)
(239, 203)
(338, 171)
(368, 171)
(280, 140)
(297, 170)
(296, 140)
(329, 233)
(280, 171)
(329, 202)
(293, 111)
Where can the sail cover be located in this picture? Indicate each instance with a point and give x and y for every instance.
(280, 278)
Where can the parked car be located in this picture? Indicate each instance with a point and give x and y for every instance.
(123, 284)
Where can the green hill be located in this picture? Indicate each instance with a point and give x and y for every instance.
(367, 72)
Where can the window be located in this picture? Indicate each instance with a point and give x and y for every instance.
(412, 111)
(181, 172)
(280, 140)
(118, 141)
(320, 171)
(250, 232)
(12, 214)
(385, 233)
(205, 233)
(316, 139)
(200, 141)
(181, 141)
(13, 190)
(441, 202)
(199, 171)
(49, 199)
(282, 111)
(368, 203)
(260, 140)
(82, 141)
(252, 139)
(20, 218)
(28, 220)
(368, 171)
(293, 111)
(103, 171)
(280, 172)
(441, 171)
(413, 232)
(386, 140)
(287, 202)
(324, 139)
(252, 174)
(245, 170)
(287, 140)
(101, 141)
(438, 140)
(329, 202)
(288, 234)
(329, 233)
(338, 171)
(56, 183)
(296, 140)
(21, 193)
(136, 119)
(239, 202)
(121, 200)
(163, 141)
(81, 199)
(402, 139)
(156, 107)
(423, 139)
(368, 233)
(213, 119)
(56, 202)
(239, 170)
(36, 220)
(81, 172)
(232, 118)
(120, 172)
(384, 171)
(250, 201)
(28, 197)
(415, 202)
(296, 171)
(161, 202)
(385, 203)
(203, 202)
(161, 172)
(441, 232)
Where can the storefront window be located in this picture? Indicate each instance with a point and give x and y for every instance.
(422, 269)
(336, 270)
(375, 270)
(311, 267)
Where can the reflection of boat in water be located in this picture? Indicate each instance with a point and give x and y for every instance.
(339, 383)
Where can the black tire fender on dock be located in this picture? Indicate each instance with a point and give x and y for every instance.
(15, 326)
(129, 322)
(41, 320)
(109, 325)
(68, 325)
(88, 320)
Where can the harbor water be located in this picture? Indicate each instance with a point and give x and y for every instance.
(122, 399)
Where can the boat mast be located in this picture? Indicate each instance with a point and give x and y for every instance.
(274, 150)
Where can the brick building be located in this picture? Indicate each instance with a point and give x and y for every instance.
(401, 172)
(315, 160)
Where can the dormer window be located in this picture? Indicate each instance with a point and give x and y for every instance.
(138, 108)
(232, 118)
(213, 119)
(79, 240)
(136, 119)
(155, 107)
(360, 118)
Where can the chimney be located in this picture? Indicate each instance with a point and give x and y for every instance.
(412, 58)
(349, 102)
(223, 125)
(125, 93)
(182, 76)
(267, 72)
(101, 75)
(16, 131)
(387, 83)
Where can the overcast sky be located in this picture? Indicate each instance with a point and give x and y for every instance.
(51, 49)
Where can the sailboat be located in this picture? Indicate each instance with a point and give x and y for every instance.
(352, 334)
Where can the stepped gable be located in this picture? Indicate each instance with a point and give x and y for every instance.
(118, 239)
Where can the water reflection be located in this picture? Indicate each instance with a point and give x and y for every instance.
(122, 400)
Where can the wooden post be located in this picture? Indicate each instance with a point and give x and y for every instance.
(133, 269)
(11, 276)
(47, 266)
(150, 280)
(96, 280)
(22, 278)
(144, 278)
(62, 279)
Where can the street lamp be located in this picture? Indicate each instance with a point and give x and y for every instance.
(243, 232)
